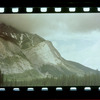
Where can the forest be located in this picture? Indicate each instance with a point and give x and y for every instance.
(72, 80)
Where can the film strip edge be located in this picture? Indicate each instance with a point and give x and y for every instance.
(16, 10)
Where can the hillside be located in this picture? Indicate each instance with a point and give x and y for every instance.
(25, 56)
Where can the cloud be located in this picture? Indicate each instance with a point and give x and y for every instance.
(72, 34)
(45, 24)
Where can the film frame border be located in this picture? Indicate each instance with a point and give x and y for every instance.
(71, 91)
(28, 10)
(49, 3)
(79, 92)
(47, 88)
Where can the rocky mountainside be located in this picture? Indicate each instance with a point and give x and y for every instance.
(25, 56)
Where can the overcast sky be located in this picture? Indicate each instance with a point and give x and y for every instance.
(75, 36)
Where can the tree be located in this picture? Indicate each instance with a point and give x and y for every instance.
(1, 78)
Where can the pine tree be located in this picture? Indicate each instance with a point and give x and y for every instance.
(1, 78)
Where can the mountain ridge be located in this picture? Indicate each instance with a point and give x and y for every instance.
(31, 54)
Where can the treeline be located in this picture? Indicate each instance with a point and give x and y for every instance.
(1, 78)
(72, 80)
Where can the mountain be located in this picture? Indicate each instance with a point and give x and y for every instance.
(26, 56)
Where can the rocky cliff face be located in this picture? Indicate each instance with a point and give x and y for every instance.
(26, 56)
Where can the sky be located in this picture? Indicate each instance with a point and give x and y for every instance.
(75, 36)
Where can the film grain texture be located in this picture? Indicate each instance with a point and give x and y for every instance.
(50, 49)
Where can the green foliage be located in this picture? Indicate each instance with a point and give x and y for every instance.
(51, 69)
(11, 60)
(72, 80)
(1, 79)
